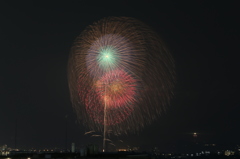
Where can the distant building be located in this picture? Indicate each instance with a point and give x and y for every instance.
(73, 148)
(92, 149)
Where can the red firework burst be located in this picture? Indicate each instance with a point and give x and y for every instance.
(116, 91)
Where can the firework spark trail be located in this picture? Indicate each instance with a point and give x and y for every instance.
(96, 136)
(120, 74)
(89, 132)
(105, 122)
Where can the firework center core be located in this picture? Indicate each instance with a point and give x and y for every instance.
(107, 58)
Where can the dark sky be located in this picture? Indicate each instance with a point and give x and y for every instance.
(35, 39)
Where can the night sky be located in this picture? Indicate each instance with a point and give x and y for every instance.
(35, 40)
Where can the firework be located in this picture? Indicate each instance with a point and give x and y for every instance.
(120, 75)
(117, 90)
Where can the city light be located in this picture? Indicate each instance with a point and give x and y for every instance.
(194, 134)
